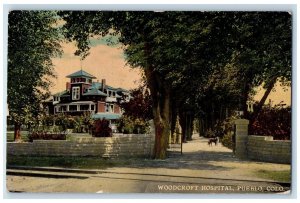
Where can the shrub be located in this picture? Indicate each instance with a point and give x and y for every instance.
(129, 125)
(46, 136)
(101, 128)
(273, 121)
(44, 132)
(226, 131)
(48, 120)
(227, 141)
(63, 121)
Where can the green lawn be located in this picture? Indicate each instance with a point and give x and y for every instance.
(10, 136)
(280, 176)
(66, 162)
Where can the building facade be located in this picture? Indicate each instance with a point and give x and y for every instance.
(82, 94)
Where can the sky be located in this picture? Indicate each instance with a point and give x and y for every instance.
(103, 62)
(278, 95)
(108, 62)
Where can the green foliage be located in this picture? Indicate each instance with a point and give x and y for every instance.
(48, 120)
(206, 63)
(101, 128)
(225, 131)
(46, 132)
(78, 124)
(130, 125)
(33, 40)
(227, 140)
(82, 123)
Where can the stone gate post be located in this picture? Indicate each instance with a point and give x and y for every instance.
(241, 138)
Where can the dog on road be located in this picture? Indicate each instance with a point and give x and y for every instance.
(213, 140)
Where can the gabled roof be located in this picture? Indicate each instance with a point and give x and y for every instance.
(98, 85)
(94, 91)
(80, 73)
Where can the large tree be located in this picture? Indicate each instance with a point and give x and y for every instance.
(184, 54)
(263, 53)
(33, 40)
(168, 46)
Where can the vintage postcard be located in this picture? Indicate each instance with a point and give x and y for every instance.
(189, 102)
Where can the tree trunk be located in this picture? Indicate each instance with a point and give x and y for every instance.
(160, 94)
(177, 131)
(201, 127)
(190, 119)
(17, 132)
(162, 126)
(263, 100)
(182, 122)
(244, 100)
(173, 122)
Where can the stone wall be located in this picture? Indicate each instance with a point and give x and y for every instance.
(264, 148)
(119, 146)
(260, 148)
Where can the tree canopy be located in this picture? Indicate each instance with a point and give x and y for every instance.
(194, 62)
(33, 40)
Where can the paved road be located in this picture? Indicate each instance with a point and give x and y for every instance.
(201, 169)
(44, 181)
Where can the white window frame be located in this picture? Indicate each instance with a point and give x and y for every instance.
(75, 93)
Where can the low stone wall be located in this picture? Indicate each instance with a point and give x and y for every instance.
(264, 148)
(119, 146)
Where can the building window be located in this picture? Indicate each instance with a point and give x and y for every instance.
(92, 107)
(84, 107)
(75, 93)
(109, 108)
(85, 89)
(73, 108)
(63, 108)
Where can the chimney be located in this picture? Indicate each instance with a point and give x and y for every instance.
(68, 86)
(103, 84)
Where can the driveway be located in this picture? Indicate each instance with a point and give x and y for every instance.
(201, 160)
